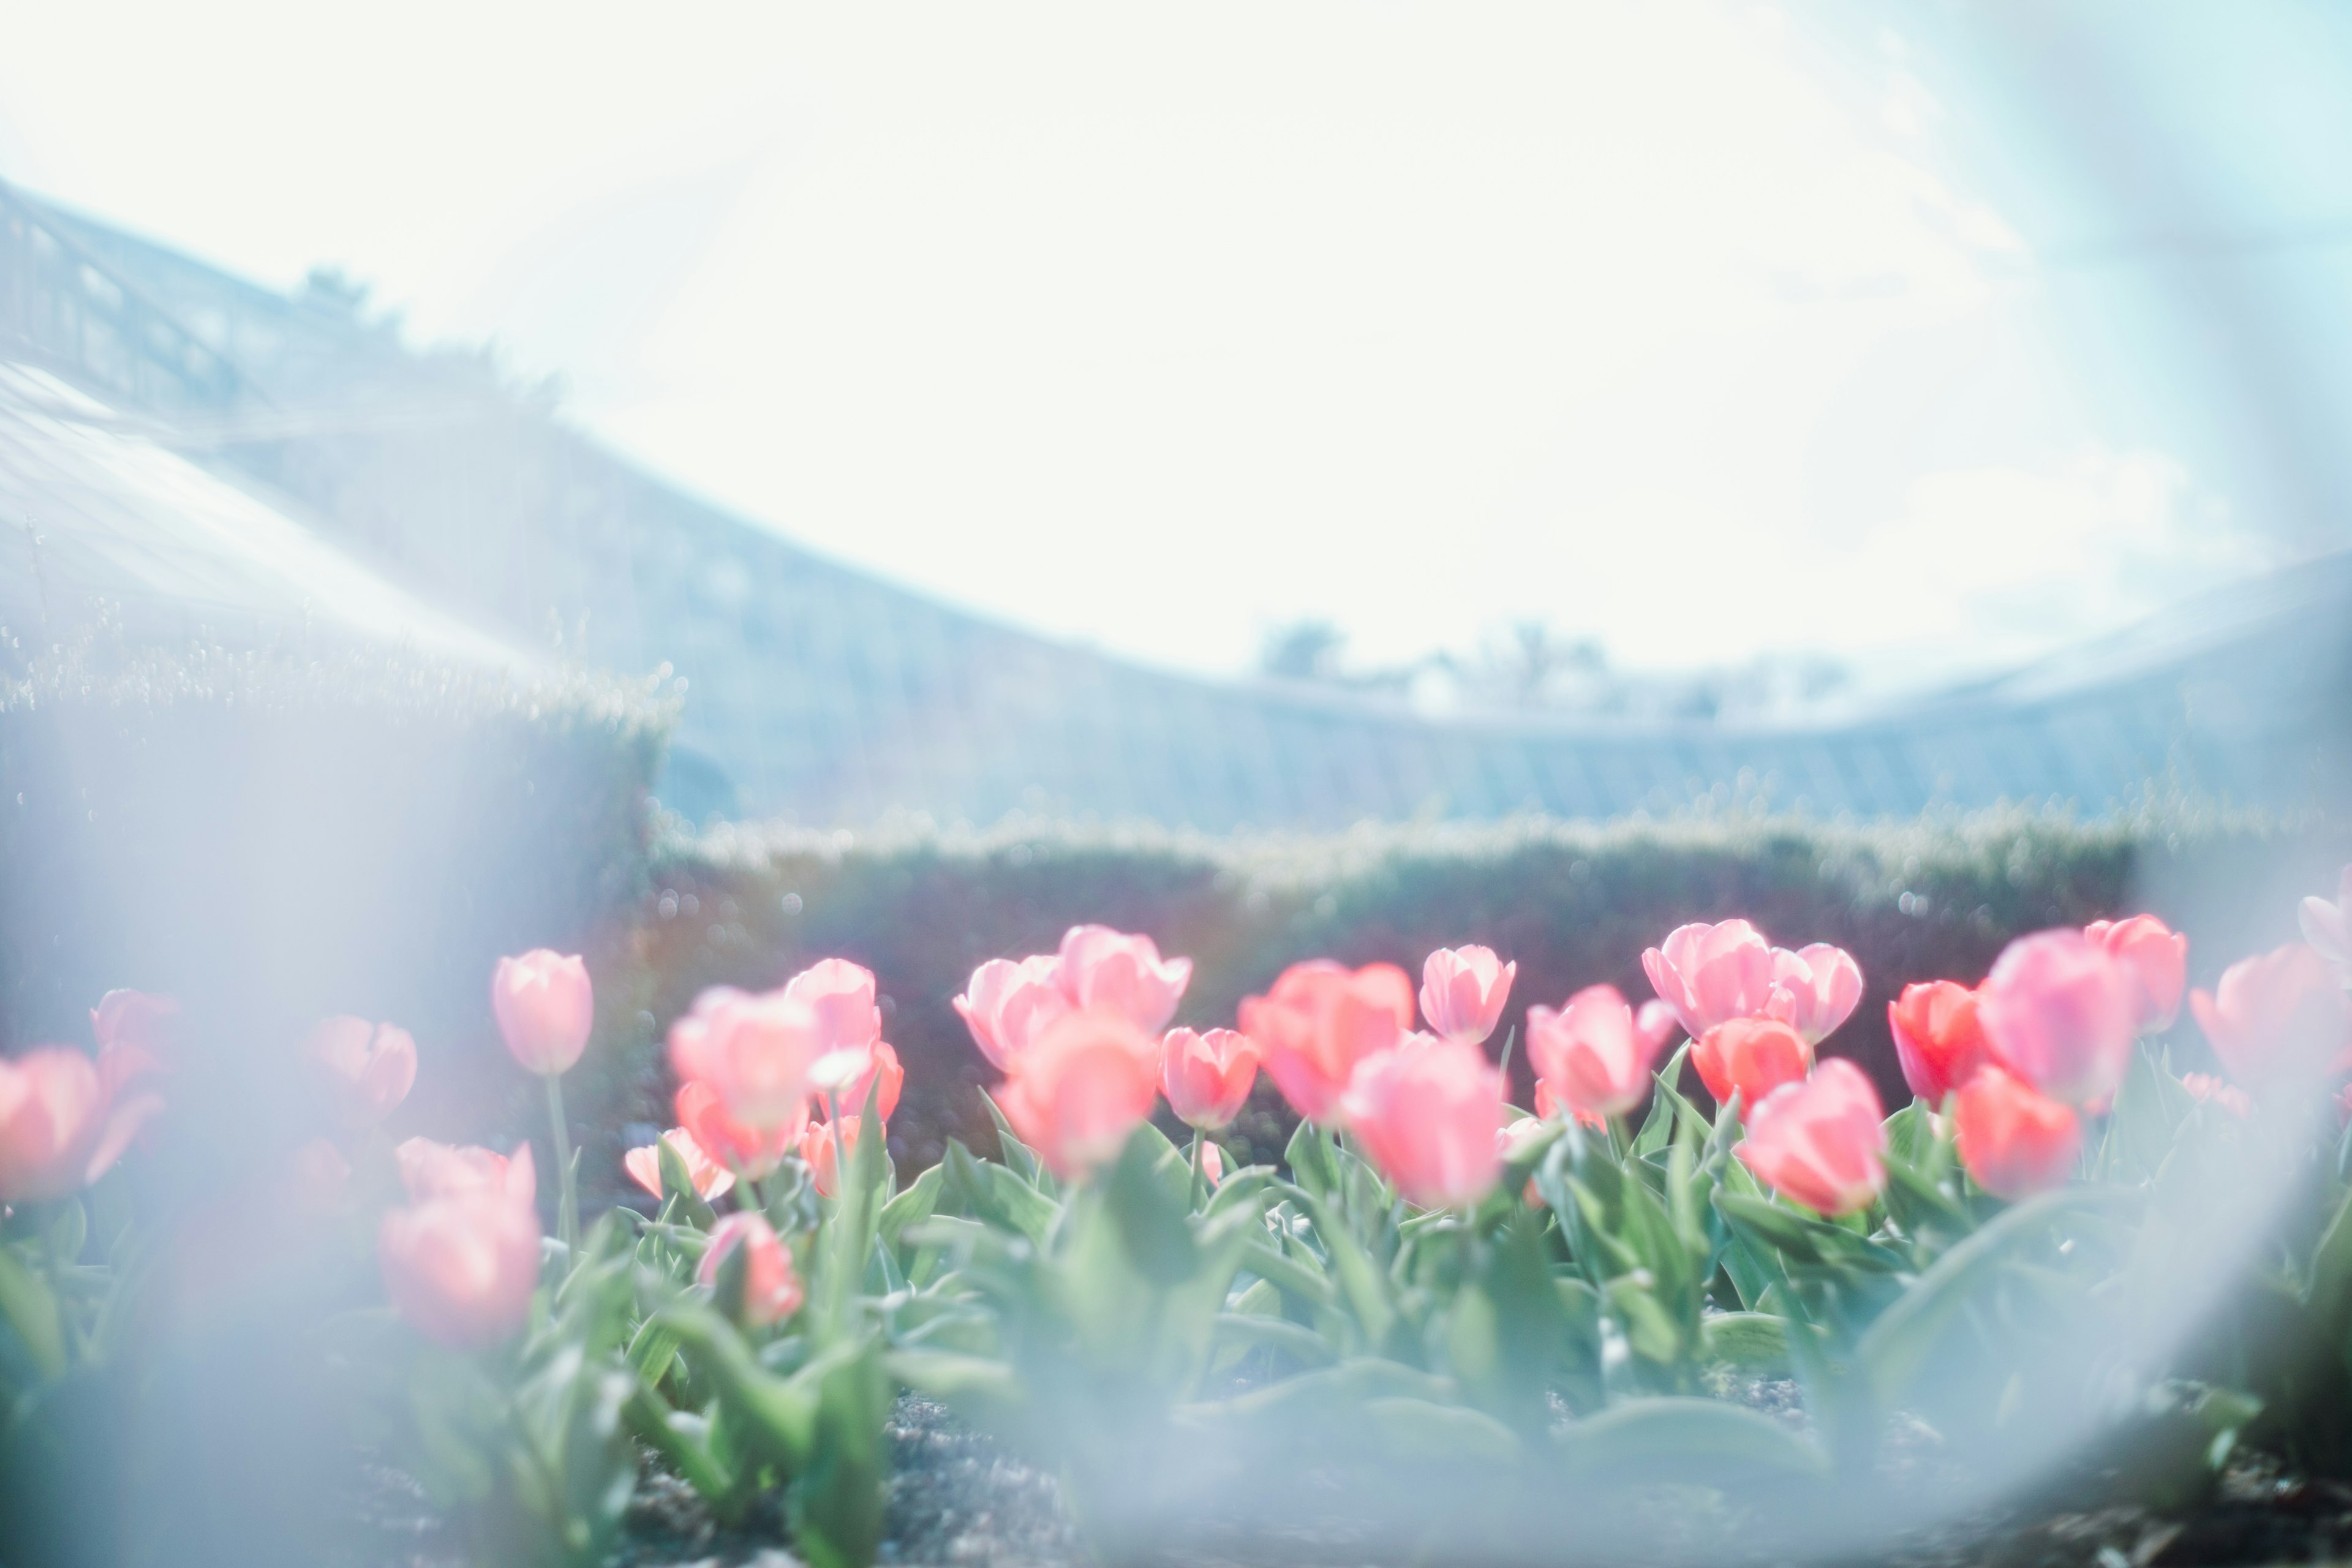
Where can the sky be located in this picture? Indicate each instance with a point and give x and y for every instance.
(1685, 324)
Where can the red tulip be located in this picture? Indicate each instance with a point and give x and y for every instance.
(1594, 1054)
(1113, 972)
(431, 1170)
(2206, 1089)
(368, 1067)
(2061, 1014)
(2155, 959)
(1319, 1020)
(2328, 928)
(709, 1178)
(1426, 1116)
(839, 996)
(59, 1129)
(1753, 1056)
(752, 1151)
(545, 1008)
(2014, 1141)
(461, 1269)
(1821, 1142)
(820, 1154)
(1814, 989)
(1007, 1005)
(1081, 1089)
(1708, 973)
(1938, 1038)
(1207, 1076)
(1463, 990)
(754, 1052)
(2277, 1015)
(772, 1292)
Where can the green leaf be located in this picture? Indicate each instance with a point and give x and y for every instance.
(977, 1386)
(1675, 1437)
(1753, 1341)
(910, 1207)
(1421, 1429)
(1294, 1277)
(29, 1308)
(1897, 1346)
(835, 1503)
(1361, 1284)
(1665, 1106)
(1308, 1155)
(1149, 1216)
(1248, 1331)
(1802, 1237)
(1019, 1157)
(678, 1186)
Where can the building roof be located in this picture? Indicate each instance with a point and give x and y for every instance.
(825, 695)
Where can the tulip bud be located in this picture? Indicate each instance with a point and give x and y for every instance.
(1426, 1115)
(1207, 1076)
(461, 1269)
(752, 1151)
(709, 1178)
(2155, 959)
(1007, 1005)
(1463, 990)
(430, 1170)
(1814, 989)
(2206, 1089)
(1752, 1056)
(1213, 1163)
(2328, 928)
(1318, 1021)
(1821, 1142)
(2060, 1013)
(819, 1152)
(1938, 1038)
(1594, 1054)
(1111, 970)
(1081, 1089)
(2014, 1141)
(772, 1290)
(369, 1068)
(2277, 1017)
(1708, 973)
(545, 1008)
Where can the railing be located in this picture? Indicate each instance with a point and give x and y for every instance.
(62, 309)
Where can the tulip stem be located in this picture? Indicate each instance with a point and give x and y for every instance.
(1195, 1203)
(567, 1209)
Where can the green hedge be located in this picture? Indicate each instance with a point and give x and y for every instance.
(1573, 903)
(275, 837)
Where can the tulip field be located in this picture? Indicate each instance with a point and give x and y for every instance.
(1708, 1298)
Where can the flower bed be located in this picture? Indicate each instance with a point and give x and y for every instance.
(1709, 1301)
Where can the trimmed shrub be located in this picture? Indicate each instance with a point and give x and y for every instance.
(1573, 903)
(274, 838)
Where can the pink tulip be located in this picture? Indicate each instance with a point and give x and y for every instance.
(545, 1008)
(430, 1170)
(819, 1153)
(1938, 1038)
(1008, 1005)
(1081, 1089)
(2061, 1014)
(369, 1068)
(1552, 1107)
(1753, 1057)
(881, 1063)
(754, 1052)
(708, 1178)
(1319, 1020)
(1207, 1076)
(1463, 990)
(2280, 1016)
(461, 1269)
(772, 1292)
(1814, 989)
(58, 1130)
(1821, 1142)
(2328, 928)
(2155, 958)
(1594, 1053)
(753, 1152)
(2206, 1089)
(1708, 973)
(1426, 1116)
(1110, 970)
(2014, 1141)
(137, 1035)
(1213, 1163)
(839, 996)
